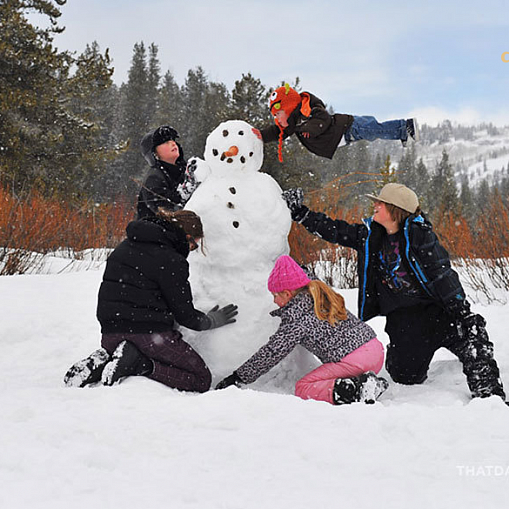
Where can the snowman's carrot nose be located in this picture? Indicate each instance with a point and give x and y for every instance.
(232, 151)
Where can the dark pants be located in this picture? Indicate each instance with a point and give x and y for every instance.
(417, 332)
(176, 364)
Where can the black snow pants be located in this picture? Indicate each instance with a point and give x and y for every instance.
(417, 332)
(176, 364)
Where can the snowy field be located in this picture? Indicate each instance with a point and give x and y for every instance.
(141, 444)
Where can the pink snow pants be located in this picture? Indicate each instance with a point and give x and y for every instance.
(319, 383)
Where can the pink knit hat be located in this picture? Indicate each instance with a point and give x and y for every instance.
(286, 275)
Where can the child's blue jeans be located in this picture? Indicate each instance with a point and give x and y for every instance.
(368, 128)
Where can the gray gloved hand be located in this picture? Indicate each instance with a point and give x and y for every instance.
(219, 317)
(294, 198)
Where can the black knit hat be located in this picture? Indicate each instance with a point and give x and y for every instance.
(163, 134)
(151, 140)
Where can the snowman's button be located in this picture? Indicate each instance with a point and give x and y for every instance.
(230, 205)
(233, 190)
(236, 224)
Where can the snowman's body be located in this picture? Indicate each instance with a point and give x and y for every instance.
(246, 224)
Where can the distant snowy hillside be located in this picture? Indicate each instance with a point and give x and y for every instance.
(476, 151)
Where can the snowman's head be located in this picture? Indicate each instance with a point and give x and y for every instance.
(233, 147)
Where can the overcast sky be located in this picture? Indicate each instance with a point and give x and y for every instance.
(434, 59)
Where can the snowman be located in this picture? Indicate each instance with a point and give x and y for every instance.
(246, 224)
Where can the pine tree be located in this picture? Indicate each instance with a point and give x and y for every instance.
(205, 105)
(467, 200)
(483, 195)
(153, 81)
(407, 168)
(422, 184)
(250, 101)
(43, 132)
(128, 170)
(170, 103)
(443, 191)
(93, 94)
(195, 124)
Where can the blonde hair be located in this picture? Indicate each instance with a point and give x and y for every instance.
(328, 305)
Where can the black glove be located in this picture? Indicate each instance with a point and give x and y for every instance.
(294, 198)
(219, 317)
(233, 379)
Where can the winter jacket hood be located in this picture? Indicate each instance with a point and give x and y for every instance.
(158, 231)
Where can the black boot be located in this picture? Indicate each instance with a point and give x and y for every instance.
(87, 371)
(479, 365)
(126, 360)
(412, 130)
(365, 388)
(346, 391)
(372, 387)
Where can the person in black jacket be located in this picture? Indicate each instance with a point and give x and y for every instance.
(170, 182)
(320, 132)
(405, 274)
(144, 296)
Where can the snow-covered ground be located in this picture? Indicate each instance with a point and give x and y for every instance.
(141, 444)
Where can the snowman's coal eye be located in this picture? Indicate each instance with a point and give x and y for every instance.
(241, 133)
(215, 152)
(225, 133)
(251, 154)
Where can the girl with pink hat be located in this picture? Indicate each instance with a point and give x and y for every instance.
(314, 316)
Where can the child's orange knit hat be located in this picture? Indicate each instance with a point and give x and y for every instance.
(284, 98)
(287, 99)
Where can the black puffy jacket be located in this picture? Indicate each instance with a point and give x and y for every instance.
(427, 258)
(145, 286)
(160, 188)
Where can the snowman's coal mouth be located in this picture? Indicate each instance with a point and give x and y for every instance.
(223, 157)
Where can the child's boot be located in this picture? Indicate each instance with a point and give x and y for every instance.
(365, 388)
(372, 387)
(126, 360)
(346, 390)
(412, 130)
(87, 371)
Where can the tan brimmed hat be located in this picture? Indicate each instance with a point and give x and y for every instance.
(399, 195)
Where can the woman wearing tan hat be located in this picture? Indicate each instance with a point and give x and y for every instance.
(405, 274)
